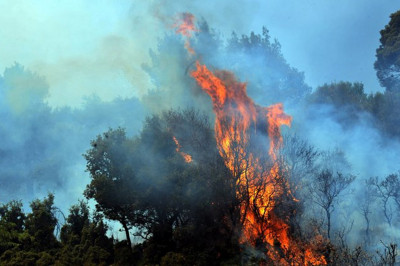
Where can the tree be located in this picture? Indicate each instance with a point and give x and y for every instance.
(325, 190)
(388, 257)
(84, 239)
(190, 201)
(387, 190)
(35, 244)
(367, 201)
(340, 94)
(385, 109)
(387, 62)
(272, 78)
(109, 163)
(13, 214)
(300, 158)
(77, 219)
(147, 182)
(96, 246)
(41, 222)
(352, 103)
(348, 98)
(12, 220)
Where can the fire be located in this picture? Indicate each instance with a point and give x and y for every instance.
(185, 26)
(184, 155)
(239, 125)
(276, 117)
(237, 119)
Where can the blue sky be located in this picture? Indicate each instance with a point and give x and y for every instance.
(84, 48)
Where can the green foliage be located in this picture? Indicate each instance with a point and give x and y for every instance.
(111, 163)
(341, 94)
(145, 182)
(41, 223)
(352, 102)
(186, 212)
(14, 257)
(12, 215)
(30, 238)
(123, 255)
(173, 259)
(12, 219)
(78, 218)
(387, 62)
(85, 239)
(387, 112)
(97, 247)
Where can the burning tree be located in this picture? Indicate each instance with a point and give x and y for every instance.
(261, 185)
(240, 127)
(255, 201)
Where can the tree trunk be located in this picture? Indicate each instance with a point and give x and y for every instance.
(388, 216)
(367, 230)
(328, 217)
(128, 238)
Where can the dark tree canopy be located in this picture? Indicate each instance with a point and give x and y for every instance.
(387, 62)
(351, 104)
(145, 182)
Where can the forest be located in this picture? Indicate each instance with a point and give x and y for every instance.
(241, 163)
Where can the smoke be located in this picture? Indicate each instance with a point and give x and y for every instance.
(369, 152)
(41, 147)
(83, 48)
(133, 63)
(258, 61)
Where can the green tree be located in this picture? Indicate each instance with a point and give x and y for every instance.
(201, 194)
(97, 247)
(12, 219)
(84, 238)
(351, 101)
(41, 222)
(347, 97)
(387, 62)
(387, 112)
(110, 163)
(13, 214)
(35, 243)
(78, 218)
(340, 94)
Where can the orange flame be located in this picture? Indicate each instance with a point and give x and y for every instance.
(185, 26)
(236, 122)
(184, 155)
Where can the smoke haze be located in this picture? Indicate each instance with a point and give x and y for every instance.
(82, 68)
